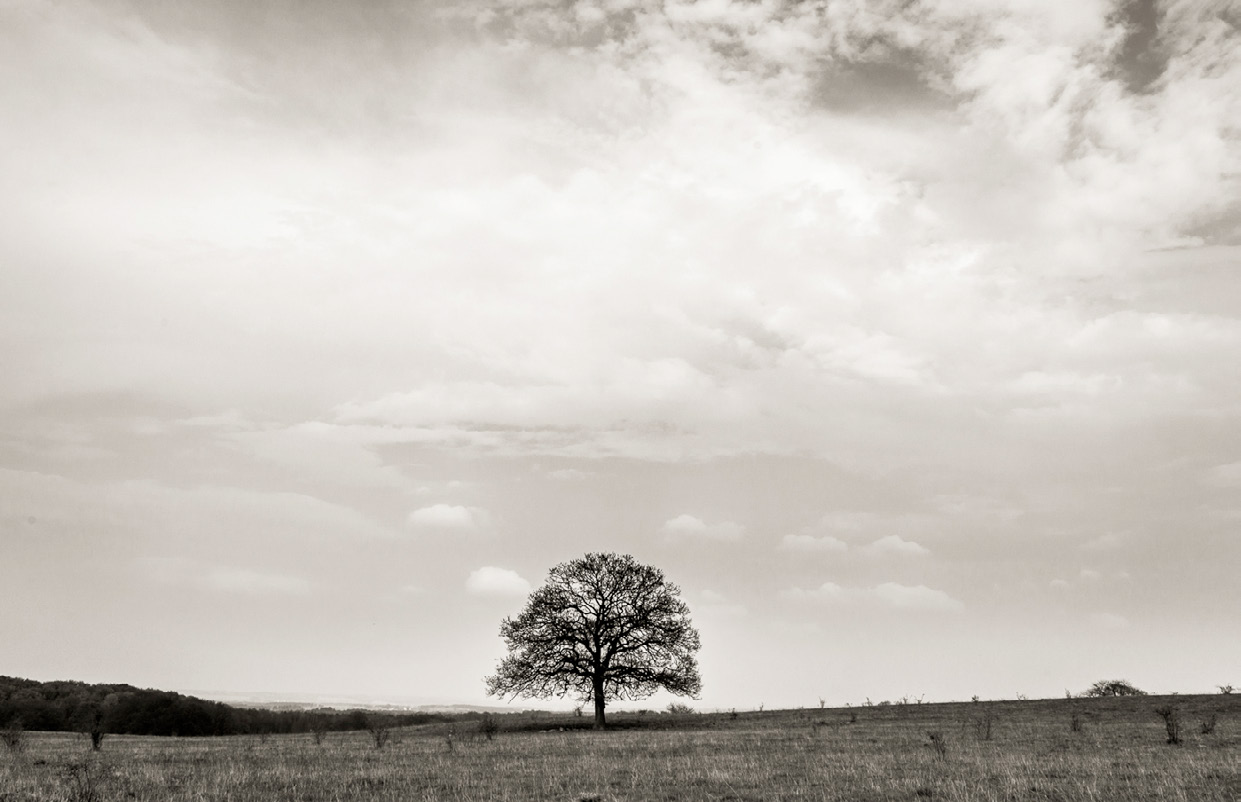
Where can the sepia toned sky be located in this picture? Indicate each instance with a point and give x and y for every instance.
(904, 336)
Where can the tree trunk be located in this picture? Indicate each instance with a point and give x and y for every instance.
(598, 694)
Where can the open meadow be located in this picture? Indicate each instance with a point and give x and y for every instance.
(1067, 750)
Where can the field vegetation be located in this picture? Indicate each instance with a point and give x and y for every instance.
(1113, 748)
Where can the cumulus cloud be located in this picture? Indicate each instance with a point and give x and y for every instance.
(895, 545)
(890, 595)
(719, 604)
(492, 581)
(811, 543)
(447, 516)
(689, 527)
(1227, 475)
(569, 474)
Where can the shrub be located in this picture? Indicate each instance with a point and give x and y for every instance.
(681, 709)
(13, 736)
(939, 744)
(1225, 689)
(983, 722)
(1113, 687)
(83, 782)
(1075, 722)
(1207, 725)
(379, 730)
(1171, 722)
(488, 726)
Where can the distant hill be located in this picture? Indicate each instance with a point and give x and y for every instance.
(77, 706)
(283, 701)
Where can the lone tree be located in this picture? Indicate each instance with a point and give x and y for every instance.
(1113, 687)
(603, 627)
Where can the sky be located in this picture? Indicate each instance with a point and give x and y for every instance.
(904, 337)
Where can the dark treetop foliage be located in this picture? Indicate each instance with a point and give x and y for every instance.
(1113, 687)
(603, 627)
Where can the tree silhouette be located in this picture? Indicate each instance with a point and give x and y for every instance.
(603, 627)
(1113, 687)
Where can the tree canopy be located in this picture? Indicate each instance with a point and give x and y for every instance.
(603, 627)
(1113, 687)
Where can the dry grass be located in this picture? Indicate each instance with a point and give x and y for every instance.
(1119, 754)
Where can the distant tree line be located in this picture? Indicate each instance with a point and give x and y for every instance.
(124, 709)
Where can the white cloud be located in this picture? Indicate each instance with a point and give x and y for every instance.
(811, 543)
(689, 527)
(447, 516)
(890, 595)
(895, 545)
(492, 581)
(918, 597)
(717, 604)
(1227, 475)
(569, 474)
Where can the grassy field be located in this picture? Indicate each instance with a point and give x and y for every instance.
(1028, 750)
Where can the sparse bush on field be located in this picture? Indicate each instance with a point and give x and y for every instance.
(84, 782)
(1207, 725)
(380, 731)
(1113, 687)
(489, 726)
(13, 735)
(1225, 689)
(853, 717)
(938, 743)
(983, 721)
(681, 709)
(822, 703)
(1075, 722)
(1171, 722)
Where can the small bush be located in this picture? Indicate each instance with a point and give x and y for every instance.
(681, 709)
(1225, 689)
(1207, 725)
(13, 736)
(1075, 722)
(488, 726)
(939, 744)
(1171, 722)
(83, 782)
(983, 723)
(380, 732)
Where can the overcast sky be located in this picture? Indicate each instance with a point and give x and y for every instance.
(904, 336)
